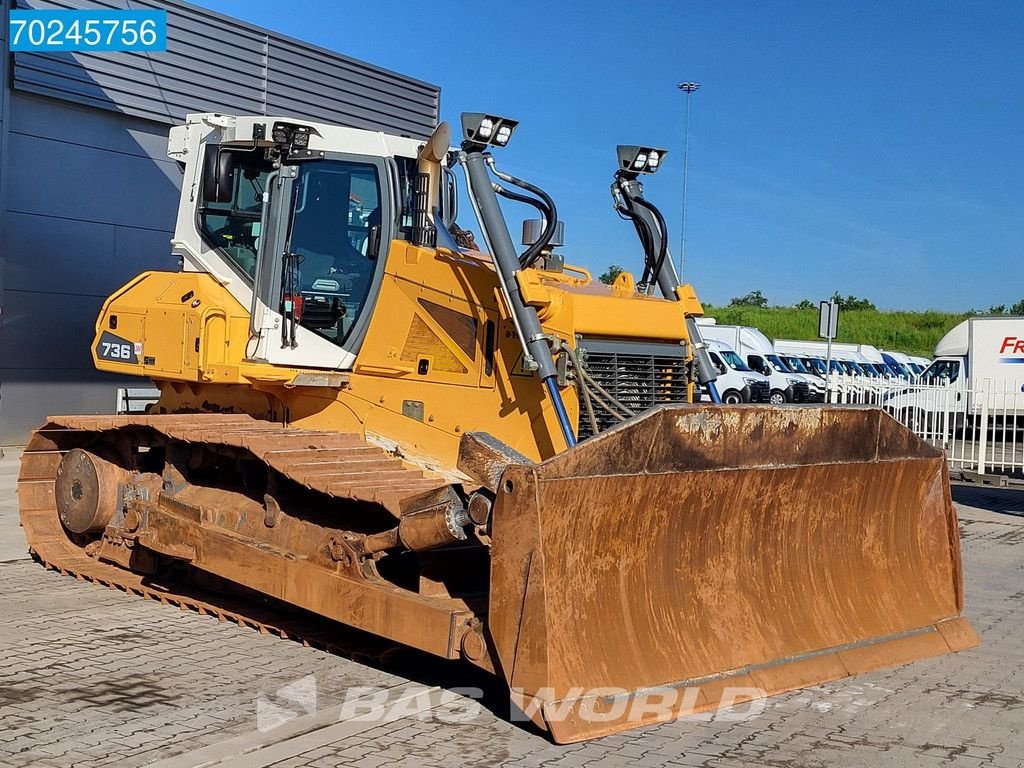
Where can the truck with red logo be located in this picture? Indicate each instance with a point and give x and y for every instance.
(978, 366)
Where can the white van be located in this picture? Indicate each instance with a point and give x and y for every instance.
(903, 366)
(754, 348)
(736, 382)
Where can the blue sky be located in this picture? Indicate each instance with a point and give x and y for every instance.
(875, 148)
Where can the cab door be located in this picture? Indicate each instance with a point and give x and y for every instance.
(328, 225)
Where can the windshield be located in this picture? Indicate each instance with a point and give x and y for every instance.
(899, 370)
(778, 365)
(795, 364)
(862, 369)
(916, 369)
(234, 226)
(733, 360)
(940, 370)
(815, 364)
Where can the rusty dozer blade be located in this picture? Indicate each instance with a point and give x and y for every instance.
(694, 557)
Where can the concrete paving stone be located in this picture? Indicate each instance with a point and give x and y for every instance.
(292, 762)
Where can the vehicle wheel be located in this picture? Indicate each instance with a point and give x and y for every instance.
(777, 397)
(732, 397)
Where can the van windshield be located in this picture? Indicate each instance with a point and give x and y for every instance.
(778, 364)
(818, 365)
(795, 364)
(733, 360)
(898, 368)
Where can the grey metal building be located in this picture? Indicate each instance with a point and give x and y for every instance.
(88, 197)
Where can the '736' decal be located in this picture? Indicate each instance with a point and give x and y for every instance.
(115, 349)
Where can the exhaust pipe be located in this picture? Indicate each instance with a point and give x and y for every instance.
(428, 185)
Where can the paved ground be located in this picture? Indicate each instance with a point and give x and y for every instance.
(89, 676)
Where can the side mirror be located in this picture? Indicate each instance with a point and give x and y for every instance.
(218, 175)
(450, 201)
(373, 242)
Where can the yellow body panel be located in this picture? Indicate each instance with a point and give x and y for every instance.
(434, 310)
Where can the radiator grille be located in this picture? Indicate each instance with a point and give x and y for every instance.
(638, 374)
(760, 392)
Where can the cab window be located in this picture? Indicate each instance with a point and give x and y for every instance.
(233, 227)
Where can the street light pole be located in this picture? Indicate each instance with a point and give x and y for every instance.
(688, 88)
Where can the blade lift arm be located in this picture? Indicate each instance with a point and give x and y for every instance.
(537, 355)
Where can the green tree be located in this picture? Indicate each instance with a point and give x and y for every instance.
(611, 273)
(852, 302)
(752, 299)
(998, 309)
(1018, 308)
(806, 304)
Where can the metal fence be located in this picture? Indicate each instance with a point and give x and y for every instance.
(980, 428)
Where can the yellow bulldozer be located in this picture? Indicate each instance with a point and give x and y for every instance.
(481, 453)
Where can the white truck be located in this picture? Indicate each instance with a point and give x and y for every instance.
(980, 355)
(754, 348)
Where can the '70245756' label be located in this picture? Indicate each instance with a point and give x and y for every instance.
(88, 30)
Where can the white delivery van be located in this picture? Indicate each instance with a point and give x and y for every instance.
(754, 348)
(981, 354)
(736, 382)
(901, 363)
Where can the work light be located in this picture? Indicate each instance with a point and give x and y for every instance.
(635, 160)
(483, 130)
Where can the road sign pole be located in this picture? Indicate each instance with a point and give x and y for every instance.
(828, 369)
(828, 328)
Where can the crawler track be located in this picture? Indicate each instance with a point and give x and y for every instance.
(341, 465)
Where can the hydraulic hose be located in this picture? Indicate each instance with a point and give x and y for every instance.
(532, 201)
(550, 220)
(645, 240)
(660, 221)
